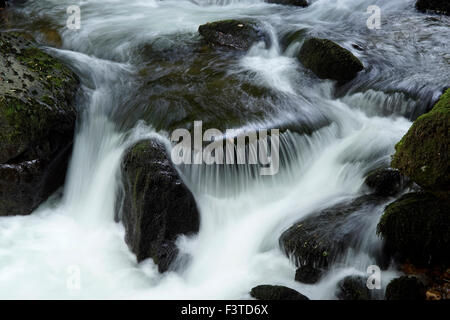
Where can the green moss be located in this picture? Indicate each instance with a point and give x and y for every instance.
(423, 153)
(416, 227)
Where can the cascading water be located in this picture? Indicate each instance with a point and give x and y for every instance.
(242, 213)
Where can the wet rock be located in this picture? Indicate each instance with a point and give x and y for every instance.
(439, 6)
(268, 292)
(299, 3)
(423, 153)
(405, 288)
(37, 120)
(353, 288)
(323, 236)
(385, 182)
(308, 274)
(157, 206)
(417, 227)
(328, 60)
(240, 35)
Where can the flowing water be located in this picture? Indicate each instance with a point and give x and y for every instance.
(144, 73)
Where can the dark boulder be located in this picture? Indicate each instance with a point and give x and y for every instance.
(157, 206)
(440, 6)
(299, 3)
(240, 35)
(308, 274)
(268, 292)
(353, 288)
(328, 60)
(323, 236)
(423, 153)
(405, 288)
(385, 182)
(416, 227)
(37, 120)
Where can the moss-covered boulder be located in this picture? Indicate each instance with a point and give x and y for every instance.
(328, 60)
(416, 227)
(37, 120)
(235, 34)
(324, 236)
(439, 6)
(353, 288)
(298, 3)
(157, 206)
(423, 153)
(268, 292)
(405, 288)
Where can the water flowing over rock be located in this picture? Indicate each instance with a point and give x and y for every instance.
(323, 236)
(423, 153)
(328, 60)
(157, 205)
(235, 34)
(308, 274)
(268, 292)
(37, 120)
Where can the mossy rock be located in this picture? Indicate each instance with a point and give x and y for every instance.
(439, 6)
(353, 288)
(37, 120)
(157, 207)
(405, 288)
(268, 292)
(423, 153)
(235, 34)
(385, 182)
(328, 60)
(416, 227)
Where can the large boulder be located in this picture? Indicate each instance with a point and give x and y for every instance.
(323, 236)
(440, 6)
(416, 227)
(353, 288)
(423, 153)
(268, 292)
(328, 60)
(405, 288)
(299, 3)
(157, 206)
(235, 34)
(37, 120)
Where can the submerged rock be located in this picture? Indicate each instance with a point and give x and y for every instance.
(328, 60)
(353, 288)
(417, 227)
(268, 292)
(423, 153)
(405, 288)
(37, 120)
(323, 236)
(299, 3)
(385, 182)
(240, 35)
(157, 206)
(308, 274)
(440, 6)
